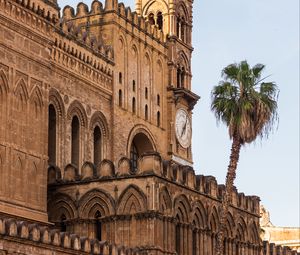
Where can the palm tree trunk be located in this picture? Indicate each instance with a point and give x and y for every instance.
(231, 174)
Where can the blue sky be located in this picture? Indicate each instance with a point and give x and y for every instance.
(260, 31)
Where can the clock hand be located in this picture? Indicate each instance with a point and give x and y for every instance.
(184, 128)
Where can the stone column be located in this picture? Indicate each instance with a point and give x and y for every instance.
(230, 247)
(206, 243)
(209, 244)
(234, 252)
(172, 228)
(181, 239)
(169, 235)
(197, 242)
(189, 238)
(201, 248)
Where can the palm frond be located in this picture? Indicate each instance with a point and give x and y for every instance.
(230, 72)
(244, 103)
(257, 70)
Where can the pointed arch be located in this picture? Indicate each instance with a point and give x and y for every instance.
(37, 96)
(134, 50)
(145, 131)
(199, 215)
(213, 220)
(61, 204)
(165, 201)
(77, 109)
(99, 119)
(20, 90)
(56, 100)
(254, 237)
(122, 41)
(241, 230)
(132, 200)
(230, 226)
(182, 10)
(148, 60)
(182, 208)
(56, 115)
(121, 69)
(99, 133)
(183, 61)
(34, 123)
(93, 201)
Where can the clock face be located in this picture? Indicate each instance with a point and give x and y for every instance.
(183, 128)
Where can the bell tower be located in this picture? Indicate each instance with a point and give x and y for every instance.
(175, 19)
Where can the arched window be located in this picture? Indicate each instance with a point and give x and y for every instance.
(160, 20)
(151, 19)
(52, 134)
(158, 118)
(146, 112)
(133, 85)
(120, 77)
(158, 99)
(146, 93)
(98, 227)
(97, 145)
(75, 141)
(120, 98)
(133, 157)
(63, 225)
(133, 105)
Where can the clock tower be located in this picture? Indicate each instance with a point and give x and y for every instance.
(174, 18)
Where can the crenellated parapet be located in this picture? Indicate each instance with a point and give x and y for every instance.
(113, 6)
(34, 14)
(152, 164)
(72, 33)
(35, 238)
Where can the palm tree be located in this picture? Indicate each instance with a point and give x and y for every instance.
(248, 106)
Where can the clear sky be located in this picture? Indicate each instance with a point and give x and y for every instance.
(260, 31)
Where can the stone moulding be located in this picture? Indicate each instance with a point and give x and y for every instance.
(46, 239)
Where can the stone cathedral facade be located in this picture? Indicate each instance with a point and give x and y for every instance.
(95, 135)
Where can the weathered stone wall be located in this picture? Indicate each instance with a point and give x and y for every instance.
(45, 63)
(149, 207)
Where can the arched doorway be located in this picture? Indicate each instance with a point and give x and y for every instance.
(140, 144)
